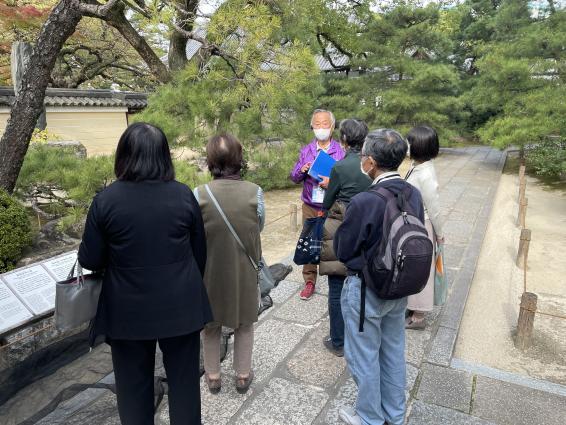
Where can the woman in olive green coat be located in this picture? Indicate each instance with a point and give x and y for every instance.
(230, 277)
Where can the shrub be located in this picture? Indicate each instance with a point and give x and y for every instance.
(189, 174)
(548, 158)
(269, 167)
(15, 231)
(63, 185)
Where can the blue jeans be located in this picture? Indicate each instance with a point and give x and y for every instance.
(376, 356)
(335, 285)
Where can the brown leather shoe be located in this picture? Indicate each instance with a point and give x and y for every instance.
(214, 385)
(418, 325)
(243, 384)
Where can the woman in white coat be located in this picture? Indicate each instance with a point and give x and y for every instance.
(423, 148)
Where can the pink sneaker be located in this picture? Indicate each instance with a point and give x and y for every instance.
(307, 291)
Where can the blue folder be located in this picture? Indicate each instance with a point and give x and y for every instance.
(321, 166)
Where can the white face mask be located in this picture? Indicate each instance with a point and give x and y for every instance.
(322, 133)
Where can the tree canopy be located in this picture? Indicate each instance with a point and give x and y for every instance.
(487, 70)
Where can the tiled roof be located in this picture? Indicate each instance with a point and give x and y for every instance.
(339, 61)
(91, 98)
(192, 45)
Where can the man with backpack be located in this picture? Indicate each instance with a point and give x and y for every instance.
(385, 247)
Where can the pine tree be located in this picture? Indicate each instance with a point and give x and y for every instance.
(408, 78)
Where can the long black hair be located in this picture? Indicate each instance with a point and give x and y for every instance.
(143, 154)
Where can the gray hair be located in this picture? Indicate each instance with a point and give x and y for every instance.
(319, 111)
(387, 148)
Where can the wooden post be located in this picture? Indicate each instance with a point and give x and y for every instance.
(522, 213)
(522, 182)
(522, 189)
(522, 170)
(293, 218)
(526, 321)
(523, 252)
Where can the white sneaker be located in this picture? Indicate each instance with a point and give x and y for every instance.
(349, 415)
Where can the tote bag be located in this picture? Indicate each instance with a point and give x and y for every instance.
(440, 280)
(309, 245)
(76, 299)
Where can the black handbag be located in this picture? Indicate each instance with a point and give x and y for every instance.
(309, 246)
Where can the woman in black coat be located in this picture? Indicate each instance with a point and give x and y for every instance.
(146, 232)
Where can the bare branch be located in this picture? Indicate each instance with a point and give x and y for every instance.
(327, 55)
(138, 8)
(335, 44)
(118, 81)
(213, 48)
(136, 71)
(40, 212)
(94, 9)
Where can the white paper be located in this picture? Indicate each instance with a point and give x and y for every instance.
(34, 287)
(61, 266)
(12, 310)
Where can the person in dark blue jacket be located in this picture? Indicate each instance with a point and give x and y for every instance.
(146, 232)
(376, 356)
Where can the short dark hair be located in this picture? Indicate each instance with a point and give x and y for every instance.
(224, 155)
(143, 154)
(387, 148)
(353, 132)
(423, 142)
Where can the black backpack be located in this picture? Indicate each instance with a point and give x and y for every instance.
(401, 264)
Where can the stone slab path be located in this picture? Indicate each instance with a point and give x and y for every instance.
(299, 383)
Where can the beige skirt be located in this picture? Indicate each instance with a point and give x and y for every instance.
(424, 300)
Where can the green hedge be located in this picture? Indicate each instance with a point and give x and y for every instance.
(15, 231)
(548, 158)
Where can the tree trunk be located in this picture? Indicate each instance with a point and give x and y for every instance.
(177, 56)
(117, 20)
(28, 105)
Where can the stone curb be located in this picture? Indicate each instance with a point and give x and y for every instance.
(512, 378)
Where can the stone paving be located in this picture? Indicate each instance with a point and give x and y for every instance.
(299, 383)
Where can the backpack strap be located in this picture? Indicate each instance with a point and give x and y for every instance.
(386, 195)
(362, 304)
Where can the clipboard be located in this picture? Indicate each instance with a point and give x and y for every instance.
(321, 166)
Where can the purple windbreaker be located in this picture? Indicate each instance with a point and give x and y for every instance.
(308, 154)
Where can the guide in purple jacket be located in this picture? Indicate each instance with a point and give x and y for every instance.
(322, 124)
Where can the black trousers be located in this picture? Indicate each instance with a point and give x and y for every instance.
(134, 367)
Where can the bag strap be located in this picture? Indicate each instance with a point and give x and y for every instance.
(409, 172)
(238, 240)
(79, 268)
